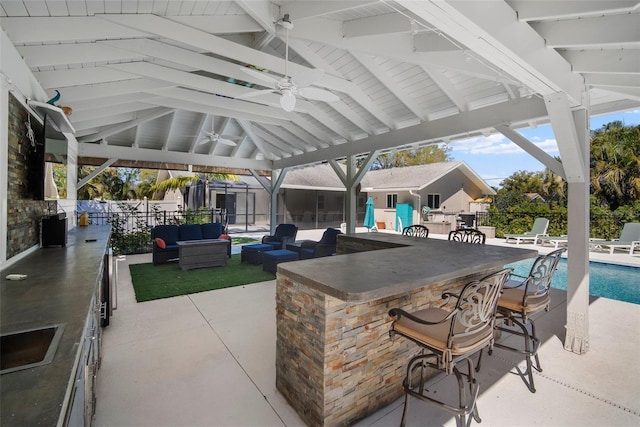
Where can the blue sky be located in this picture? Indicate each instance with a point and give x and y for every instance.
(495, 158)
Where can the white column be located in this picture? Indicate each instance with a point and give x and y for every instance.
(350, 200)
(572, 135)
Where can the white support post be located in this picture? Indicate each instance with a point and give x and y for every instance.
(276, 181)
(572, 135)
(350, 200)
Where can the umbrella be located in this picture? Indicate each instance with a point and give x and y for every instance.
(369, 220)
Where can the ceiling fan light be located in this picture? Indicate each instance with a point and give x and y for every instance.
(288, 101)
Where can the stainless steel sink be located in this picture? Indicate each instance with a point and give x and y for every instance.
(29, 348)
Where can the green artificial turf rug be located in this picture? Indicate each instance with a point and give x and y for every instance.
(168, 280)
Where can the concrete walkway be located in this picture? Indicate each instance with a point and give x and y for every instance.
(208, 359)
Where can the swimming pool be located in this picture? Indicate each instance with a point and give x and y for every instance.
(605, 280)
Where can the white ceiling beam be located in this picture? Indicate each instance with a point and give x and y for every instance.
(447, 87)
(604, 61)
(79, 76)
(277, 114)
(613, 80)
(631, 93)
(389, 82)
(50, 55)
(263, 12)
(354, 91)
(552, 9)
(512, 112)
(286, 149)
(395, 46)
(223, 47)
(532, 149)
(304, 135)
(112, 110)
(313, 8)
(317, 132)
(127, 153)
(495, 34)
(98, 170)
(589, 32)
(222, 88)
(247, 127)
(202, 108)
(221, 24)
(152, 115)
(564, 129)
(290, 139)
(391, 23)
(107, 101)
(164, 137)
(427, 42)
(83, 127)
(134, 85)
(32, 30)
(199, 129)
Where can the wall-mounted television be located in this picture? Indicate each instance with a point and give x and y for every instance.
(35, 160)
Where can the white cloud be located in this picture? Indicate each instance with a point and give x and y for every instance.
(499, 144)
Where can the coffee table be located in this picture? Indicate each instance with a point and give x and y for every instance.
(202, 253)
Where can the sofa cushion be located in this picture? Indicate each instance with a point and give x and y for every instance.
(190, 232)
(211, 230)
(168, 233)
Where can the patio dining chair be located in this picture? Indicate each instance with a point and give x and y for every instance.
(416, 231)
(447, 338)
(467, 235)
(521, 300)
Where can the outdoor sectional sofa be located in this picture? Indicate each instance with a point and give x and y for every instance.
(172, 234)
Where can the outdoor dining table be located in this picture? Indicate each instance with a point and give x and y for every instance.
(335, 362)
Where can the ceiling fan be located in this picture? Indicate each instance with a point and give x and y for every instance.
(212, 136)
(291, 86)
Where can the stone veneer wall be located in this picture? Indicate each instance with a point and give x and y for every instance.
(23, 213)
(335, 362)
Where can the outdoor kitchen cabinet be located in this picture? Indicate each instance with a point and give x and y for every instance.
(64, 286)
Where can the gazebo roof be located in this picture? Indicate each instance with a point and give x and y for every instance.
(147, 80)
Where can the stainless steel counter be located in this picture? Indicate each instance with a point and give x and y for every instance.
(60, 285)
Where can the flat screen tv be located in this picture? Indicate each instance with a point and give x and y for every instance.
(35, 161)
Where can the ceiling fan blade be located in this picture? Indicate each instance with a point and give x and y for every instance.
(204, 141)
(308, 77)
(255, 93)
(261, 76)
(318, 94)
(225, 141)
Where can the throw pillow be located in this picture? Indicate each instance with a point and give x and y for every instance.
(161, 243)
(224, 236)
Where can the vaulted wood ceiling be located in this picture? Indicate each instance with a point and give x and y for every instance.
(146, 79)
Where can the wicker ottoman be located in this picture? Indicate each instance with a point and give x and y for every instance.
(253, 253)
(271, 259)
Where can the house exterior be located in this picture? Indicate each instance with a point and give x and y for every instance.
(313, 197)
(447, 189)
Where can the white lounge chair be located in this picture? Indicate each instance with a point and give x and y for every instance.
(556, 241)
(538, 230)
(629, 239)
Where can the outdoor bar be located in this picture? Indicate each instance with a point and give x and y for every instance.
(335, 362)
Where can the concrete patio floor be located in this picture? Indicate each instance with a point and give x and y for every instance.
(208, 359)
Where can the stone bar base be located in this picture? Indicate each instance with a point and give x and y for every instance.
(335, 362)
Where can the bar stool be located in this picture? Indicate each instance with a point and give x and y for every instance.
(447, 338)
(521, 300)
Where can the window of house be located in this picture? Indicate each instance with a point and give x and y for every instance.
(433, 201)
(321, 202)
(392, 201)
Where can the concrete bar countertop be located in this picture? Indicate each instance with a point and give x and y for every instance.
(402, 264)
(60, 284)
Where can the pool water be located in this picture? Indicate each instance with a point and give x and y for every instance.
(612, 281)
